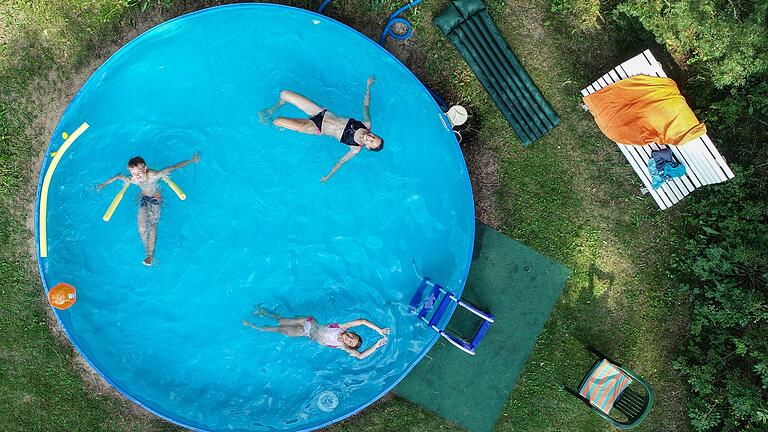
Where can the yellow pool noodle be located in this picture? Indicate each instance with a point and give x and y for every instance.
(182, 196)
(46, 184)
(115, 202)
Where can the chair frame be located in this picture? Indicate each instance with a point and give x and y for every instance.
(626, 393)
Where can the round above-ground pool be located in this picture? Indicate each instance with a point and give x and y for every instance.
(257, 226)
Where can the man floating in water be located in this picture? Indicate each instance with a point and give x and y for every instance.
(331, 335)
(149, 207)
(354, 133)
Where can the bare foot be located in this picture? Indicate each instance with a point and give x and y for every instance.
(147, 261)
(248, 324)
(264, 117)
(260, 311)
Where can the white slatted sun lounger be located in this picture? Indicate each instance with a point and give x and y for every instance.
(703, 163)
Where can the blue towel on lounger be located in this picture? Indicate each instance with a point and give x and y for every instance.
(662, 166)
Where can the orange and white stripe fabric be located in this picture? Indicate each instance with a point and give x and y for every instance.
(604, 385)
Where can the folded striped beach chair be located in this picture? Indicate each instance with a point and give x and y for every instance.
(603, 385)
(606, 389)
(704, 164)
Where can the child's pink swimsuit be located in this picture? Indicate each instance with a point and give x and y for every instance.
(325, 335)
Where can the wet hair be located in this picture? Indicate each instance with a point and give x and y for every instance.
(359, 340)
(136, 161)
(381, 146)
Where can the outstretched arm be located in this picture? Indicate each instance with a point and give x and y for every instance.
(361, 355)
(167, 170)
(114, 178)
(367, 102)
(350, 154)
(365, 322)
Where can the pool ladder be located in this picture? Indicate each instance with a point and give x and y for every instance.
(439, 302)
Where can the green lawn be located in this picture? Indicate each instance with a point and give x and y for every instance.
(570, 196)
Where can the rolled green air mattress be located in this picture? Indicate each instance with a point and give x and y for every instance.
(470, 29)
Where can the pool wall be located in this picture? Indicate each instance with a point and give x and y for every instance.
(47, 160)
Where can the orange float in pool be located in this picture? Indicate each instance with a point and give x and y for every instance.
(62, 296)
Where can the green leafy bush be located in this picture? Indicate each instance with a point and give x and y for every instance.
(725, 41)
(739, 124)
(722, 266)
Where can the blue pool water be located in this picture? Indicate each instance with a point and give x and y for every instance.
(257, 226)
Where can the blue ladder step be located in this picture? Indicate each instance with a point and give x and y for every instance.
(447, 301)
(448, 298)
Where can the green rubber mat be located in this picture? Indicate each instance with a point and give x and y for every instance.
(520, 287)
(471, 30)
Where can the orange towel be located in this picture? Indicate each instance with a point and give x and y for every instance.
(642, 110)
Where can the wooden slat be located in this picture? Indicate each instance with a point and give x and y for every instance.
(707, 157)
(690, 175)
(719, 158)
(707, 164)
(695, 164)
(622, 73)
(662, 202)
(637, 65)
(654, 64)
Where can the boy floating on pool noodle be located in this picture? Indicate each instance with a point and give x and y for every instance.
(149, 207)
(331, 335)
(354, 133)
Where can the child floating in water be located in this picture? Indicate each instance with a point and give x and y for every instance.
(331, 335)
(149, 208)
(354, 133)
